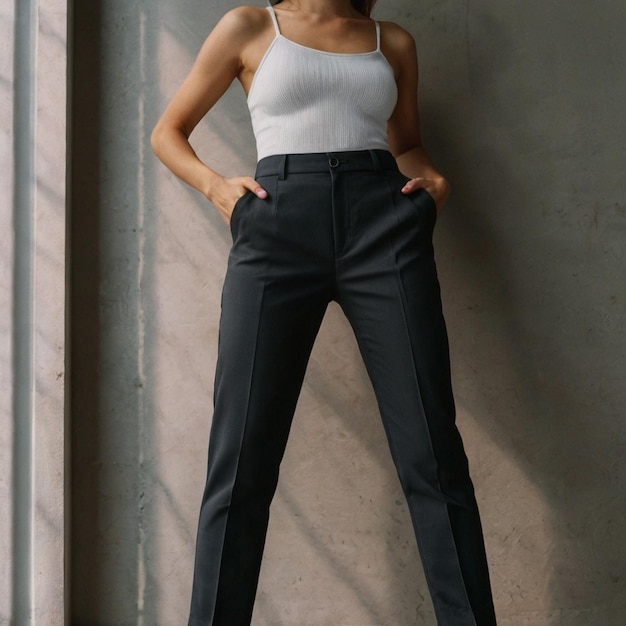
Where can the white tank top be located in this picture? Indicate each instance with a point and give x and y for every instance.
(304, 100)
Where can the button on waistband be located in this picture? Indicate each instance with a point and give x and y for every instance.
(333, 161)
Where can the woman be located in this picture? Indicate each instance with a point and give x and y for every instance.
(328, 216)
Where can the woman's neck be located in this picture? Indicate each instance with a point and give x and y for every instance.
(326, 8)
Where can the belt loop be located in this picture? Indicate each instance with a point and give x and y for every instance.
(282, 167)
(375, 160)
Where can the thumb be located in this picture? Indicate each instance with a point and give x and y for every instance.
(256, 189)
(413, 184)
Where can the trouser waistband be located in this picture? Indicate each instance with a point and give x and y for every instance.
(351, 161)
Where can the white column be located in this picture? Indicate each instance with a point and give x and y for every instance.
(7, 22)
(33, 97)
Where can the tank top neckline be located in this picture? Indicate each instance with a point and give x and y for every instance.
(279, 35)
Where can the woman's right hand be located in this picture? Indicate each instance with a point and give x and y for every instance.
(225, 192)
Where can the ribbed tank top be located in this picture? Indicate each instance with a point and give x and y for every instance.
(304, 100)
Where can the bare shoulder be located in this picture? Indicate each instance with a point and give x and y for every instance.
(244, 22)
(231, 38)
(396, 39)
(398, 46)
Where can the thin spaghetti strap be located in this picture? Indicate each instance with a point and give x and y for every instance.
(270, 8)
(377, 36)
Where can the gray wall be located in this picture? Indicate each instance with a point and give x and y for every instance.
(522, 108)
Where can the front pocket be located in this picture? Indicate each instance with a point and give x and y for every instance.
(416, 215)
(423, 199)
(238, 205)
(420, 198)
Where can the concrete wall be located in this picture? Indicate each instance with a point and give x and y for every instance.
(33, 437)
(522, 109)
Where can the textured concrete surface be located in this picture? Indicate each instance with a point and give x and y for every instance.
(7, 248)
(33, 98)
(522, 109)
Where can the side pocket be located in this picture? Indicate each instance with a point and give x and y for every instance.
(420, 198)
(422, 195)
(237, 208)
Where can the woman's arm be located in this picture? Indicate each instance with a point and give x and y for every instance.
(217, 65)
(403, 129)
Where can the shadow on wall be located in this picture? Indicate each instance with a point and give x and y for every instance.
(532, 260)
(84, 240)
(111, 334)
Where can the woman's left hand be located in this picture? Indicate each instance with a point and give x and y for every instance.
(438, 188)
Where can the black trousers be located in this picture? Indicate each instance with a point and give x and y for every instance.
(335, 227)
